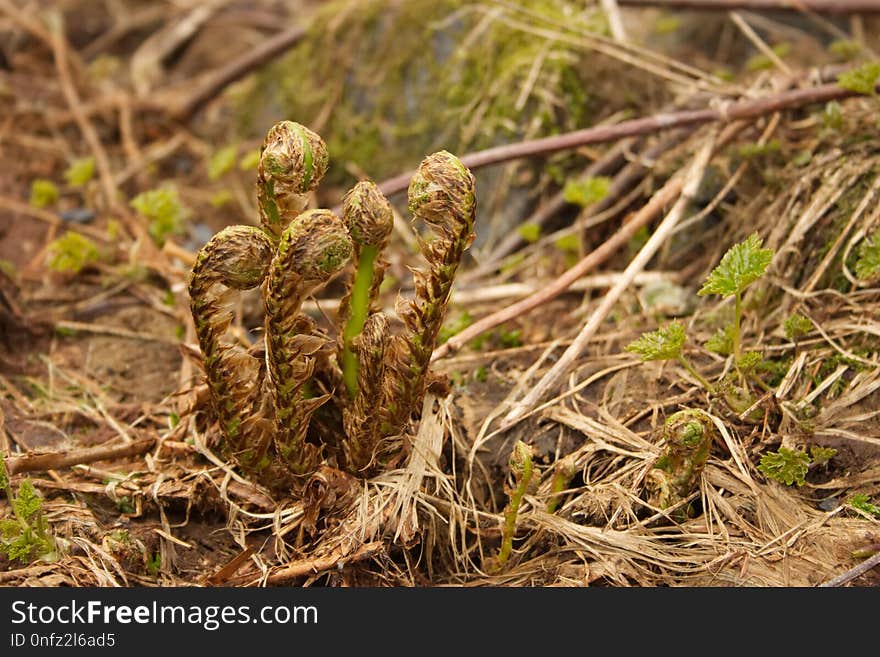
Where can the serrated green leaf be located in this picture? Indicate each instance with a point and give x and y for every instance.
(750, 360)
(164, 210)
(743, 264)
(27, 502)
(9, 529)
(868, 264)
(787, 466)
(71, 253)
(663, 344)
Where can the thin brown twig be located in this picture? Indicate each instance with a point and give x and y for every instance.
(314, 566)
(725, 113)
(57, 460)
(852, 573)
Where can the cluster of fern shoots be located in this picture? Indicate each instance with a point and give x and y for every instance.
(304, 399)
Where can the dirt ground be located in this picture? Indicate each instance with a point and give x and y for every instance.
(103, 401)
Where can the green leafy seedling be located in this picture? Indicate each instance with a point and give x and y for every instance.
(787, 466)
(588, 191)
(797, 326)
(742, 265)
(666, 343)
(25, 536)
(868, 263)
(862, 80)
(43, 193)
(71, 253)
(863, 503)
(80, 172)
(164, 211)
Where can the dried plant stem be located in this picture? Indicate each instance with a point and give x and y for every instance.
(854, 572)
(688, 190)
(725, 113)
(57, 460)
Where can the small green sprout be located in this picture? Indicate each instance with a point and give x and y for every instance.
(832, 116)
(523, 470)
(862, 80)
(868, 264)
(761, 61)
(821, 455)
(43, 193)
(844, 49)
(667, 343)
(687, 437)
(863, 503)
(721, 342)
(529, 232)
(787, 466)
(797, 326)
(80, 172)
(26, 535)
(564, 472)
(71, 253)
(742, 265)
(588, 191)
(222, 161)
(163, 209)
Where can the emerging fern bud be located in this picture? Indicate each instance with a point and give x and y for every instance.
(442, 193)
(312, 248)
(292, 163)
(688, 436)
(236, 258)
(369, 218)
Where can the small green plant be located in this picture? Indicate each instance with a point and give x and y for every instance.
(821, 455)
(862, 80)
(564, 471)
(163, 210)
(863, 503)
(25, 536)
(43, 193)
(80, 172)
(797, 326)
(787, 466)
(868, 263)
(524, 474)
(667, 343)
(687, 437)
(529, 232)
(71, 253)
(741, 265)
(587, 191)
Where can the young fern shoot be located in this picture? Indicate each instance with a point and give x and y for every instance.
(237, 258)
(292, 162)
(524, 473)
(312, 248)
(442, 194)
(367, 214)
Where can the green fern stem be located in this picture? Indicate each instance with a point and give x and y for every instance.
(684, 362)
(565, 472)
(358, 308)
(521, 464)
(736, 338)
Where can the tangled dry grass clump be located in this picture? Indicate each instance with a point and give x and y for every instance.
(492, 425)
